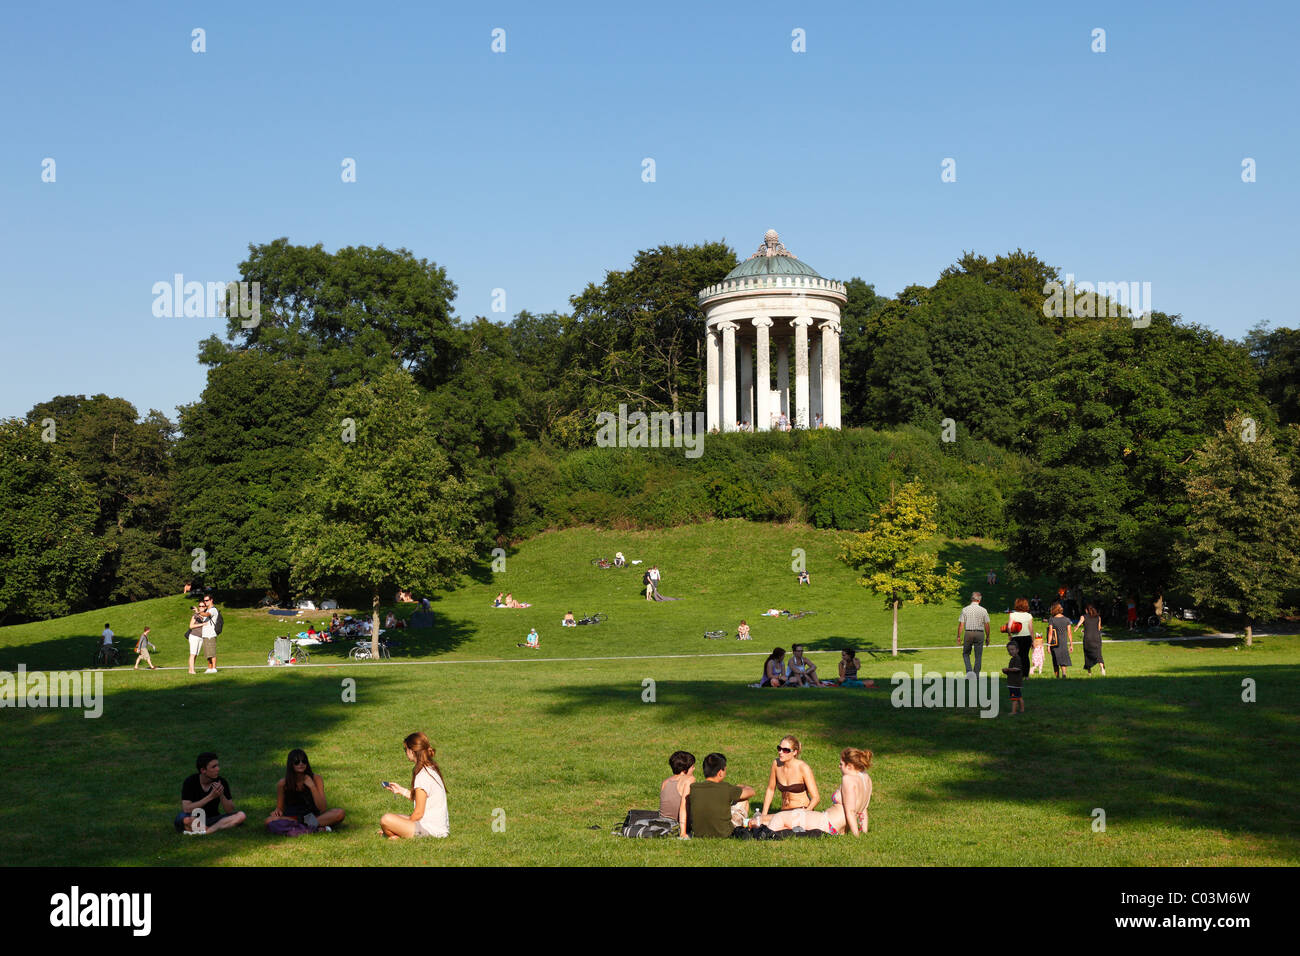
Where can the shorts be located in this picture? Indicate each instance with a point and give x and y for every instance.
(209, 647)
(196, 645)
(420, 831)
(1015, 692)
(179, 821)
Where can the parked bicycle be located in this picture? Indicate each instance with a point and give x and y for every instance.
(364, 652)
(593, 619)
(105, 656)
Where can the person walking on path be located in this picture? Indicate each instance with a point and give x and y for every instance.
(142, 648)
(1091, 624)
(973, 632)
(1060, 638)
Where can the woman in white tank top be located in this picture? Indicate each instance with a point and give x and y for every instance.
(428, 793)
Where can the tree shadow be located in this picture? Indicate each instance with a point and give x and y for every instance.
(1182, 751)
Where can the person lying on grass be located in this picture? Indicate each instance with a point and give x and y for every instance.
(511, 602)
(300, 795)
(206, 804)
(854, 793)
(774, 668)
(428, 794)
(793, 778)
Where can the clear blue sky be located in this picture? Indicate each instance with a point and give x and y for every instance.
(522, 170)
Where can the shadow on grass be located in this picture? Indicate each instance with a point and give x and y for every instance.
(443, 637)
(1183, 751)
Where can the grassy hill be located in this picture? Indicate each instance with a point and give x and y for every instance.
(563, 739)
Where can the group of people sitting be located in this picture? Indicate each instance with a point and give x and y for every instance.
(207, 802)
(712, 807)
(507, 600)
(799, 671)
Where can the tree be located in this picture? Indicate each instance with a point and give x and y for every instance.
(1276, 353)
(888, 554)
(1242, 551)
(48, 548)
(385, 509)
(639, 335)
(127, 461)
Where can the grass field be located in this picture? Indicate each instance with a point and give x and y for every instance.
(552, 744)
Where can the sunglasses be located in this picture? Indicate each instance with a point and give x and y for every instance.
(785, 750)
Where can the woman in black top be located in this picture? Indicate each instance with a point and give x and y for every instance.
(300, 795)
(1091, 624)
(1060, 637)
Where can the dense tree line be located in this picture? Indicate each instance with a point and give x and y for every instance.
(1096, 432)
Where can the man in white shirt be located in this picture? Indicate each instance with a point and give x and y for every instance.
(973, 625)
(209, 633)
(107, 635)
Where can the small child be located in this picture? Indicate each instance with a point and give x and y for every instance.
(1015, 678)
(742, 632)
(1037, 655)
(142, 649)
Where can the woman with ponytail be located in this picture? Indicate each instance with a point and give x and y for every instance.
(428, 793)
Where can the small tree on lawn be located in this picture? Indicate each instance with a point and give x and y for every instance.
(888, 554)
(1242, 549)
(384, 509)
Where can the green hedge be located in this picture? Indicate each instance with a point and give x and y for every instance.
(830, 479)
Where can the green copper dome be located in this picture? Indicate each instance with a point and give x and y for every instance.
(772, 259)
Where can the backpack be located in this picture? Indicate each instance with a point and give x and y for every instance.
(287, 826)
(646, 823)
(221, 619)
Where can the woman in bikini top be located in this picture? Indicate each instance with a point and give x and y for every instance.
(792, 777)
(853, 765)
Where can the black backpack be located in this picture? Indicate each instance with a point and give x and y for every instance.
(646, 823)
(221, 619)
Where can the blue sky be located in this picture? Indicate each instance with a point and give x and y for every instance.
(523, 170)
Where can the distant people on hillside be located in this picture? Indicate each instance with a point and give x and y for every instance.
(619, 560)
(1131, 613)
(801, 672)
(742, 632)
(533, 640)
(1091, 624)
(569, 620)
(803, 578)
(849, 665)
(405, 597)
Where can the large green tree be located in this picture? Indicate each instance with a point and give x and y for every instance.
(127, 460)
(384, 509)
(1242, 550)
(892, 558)
(49, 551)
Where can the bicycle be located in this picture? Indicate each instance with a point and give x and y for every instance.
(301, 655)
(363, 652)
(594, 619)
(798, 614)
(105, 656)
(714, 635)
(602, 563)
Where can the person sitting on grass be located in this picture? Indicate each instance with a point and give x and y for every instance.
(848, 810)
(804, 578)
(533, 640)
(774, 668)
(619, 560)
(499, 600)
(511, 602)
(428, 794)
(802, 672)
(673, 791)
(792, 777)
(300, 795)
(712, 804)
(142, 648)
(569, 620)
(742, 632)
(849, 665)
(206, 804)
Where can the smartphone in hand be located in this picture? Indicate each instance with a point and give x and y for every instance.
(385, 784)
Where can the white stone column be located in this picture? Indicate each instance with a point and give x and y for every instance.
(711, 379)
(801, 324)
(814, 380)
(783, 375)
(728, 375)
(831, 374)
(763, 384)
(747, 382)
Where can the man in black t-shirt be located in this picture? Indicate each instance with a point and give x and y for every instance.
(206, 803)
(710, 802)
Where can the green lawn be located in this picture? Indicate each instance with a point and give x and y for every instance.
(1186, 773)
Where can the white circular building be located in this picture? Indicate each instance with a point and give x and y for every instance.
(772, 301)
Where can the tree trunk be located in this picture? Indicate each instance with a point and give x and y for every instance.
(1248, 635)
(374, 624)
(895, 627)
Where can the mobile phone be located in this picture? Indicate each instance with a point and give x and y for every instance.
(385, 784)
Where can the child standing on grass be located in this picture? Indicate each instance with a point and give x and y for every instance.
(1037, 655)
(1015, 678)
(142, 649)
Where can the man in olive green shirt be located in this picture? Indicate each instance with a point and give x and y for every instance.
(709, 802)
